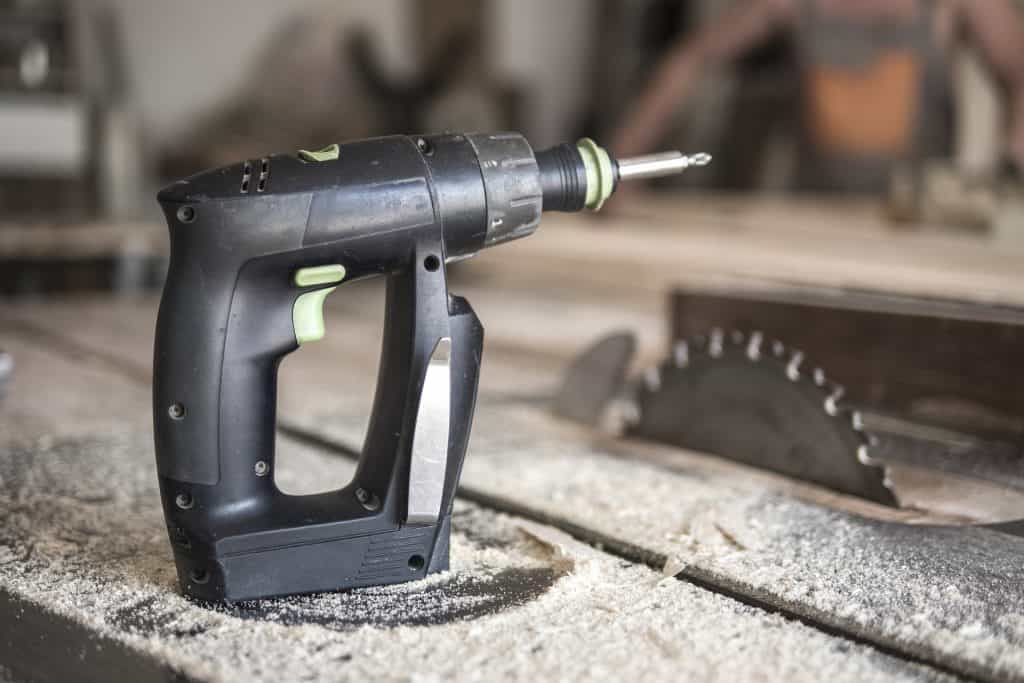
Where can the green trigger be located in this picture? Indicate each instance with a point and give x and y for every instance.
(308, 310)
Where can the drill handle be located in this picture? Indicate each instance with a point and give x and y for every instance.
(219, 364)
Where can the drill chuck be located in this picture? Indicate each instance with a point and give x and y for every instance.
(584, 175)
(563, 178)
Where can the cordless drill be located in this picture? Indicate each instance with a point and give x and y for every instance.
(255, 249)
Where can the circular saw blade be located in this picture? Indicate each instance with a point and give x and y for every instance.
(758, 403)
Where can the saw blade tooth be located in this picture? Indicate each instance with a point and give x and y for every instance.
(778, 349)
(716, 343)
(832, 402)
(652, 379)
(864, 456)
(681, 354)
(819, 377)
(754, 346)
(793, 368)
(857, 421)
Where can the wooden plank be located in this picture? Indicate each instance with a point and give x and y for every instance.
(333, 377)
(728, 529)
(649, 254)
(84, 557)
(79, 257)
(88, 584)
(338, 374)
(943, 594)
(341, 369)
(83, 241)
(56, 392)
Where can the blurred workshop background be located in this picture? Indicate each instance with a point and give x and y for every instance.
(917, 105)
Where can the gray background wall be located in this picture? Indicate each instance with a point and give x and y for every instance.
(537, 42)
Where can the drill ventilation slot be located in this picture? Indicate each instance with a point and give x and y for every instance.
(246, 177)
(264, 174)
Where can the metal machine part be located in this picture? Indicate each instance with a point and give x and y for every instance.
(256, 248)
(594, 379)
(950, 364)
(762, 403)
(758, 402)
(430, 440)
(900, 441)
(6, 371)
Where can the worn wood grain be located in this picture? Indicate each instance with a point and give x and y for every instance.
(943, 596)
(728, 529)
(648, 252)
(85, 565)
(57, 391)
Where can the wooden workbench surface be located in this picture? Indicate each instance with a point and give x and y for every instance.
(575, 556)
(654, 247)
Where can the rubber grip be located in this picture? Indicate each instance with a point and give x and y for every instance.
(198, 298)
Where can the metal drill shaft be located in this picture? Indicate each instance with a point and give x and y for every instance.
(658, 165)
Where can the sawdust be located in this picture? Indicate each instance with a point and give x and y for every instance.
(941, 593)
(81, 534)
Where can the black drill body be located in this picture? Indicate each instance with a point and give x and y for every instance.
(400, 207)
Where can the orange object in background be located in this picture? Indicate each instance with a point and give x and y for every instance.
(869, 110)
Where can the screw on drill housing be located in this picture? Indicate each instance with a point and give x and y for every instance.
(367, 499)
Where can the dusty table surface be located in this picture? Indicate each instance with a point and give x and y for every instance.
(575, 556)
(651, 248)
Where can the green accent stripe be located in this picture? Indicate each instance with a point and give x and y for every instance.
(329, 153)
(320, 275)
(600, 173)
